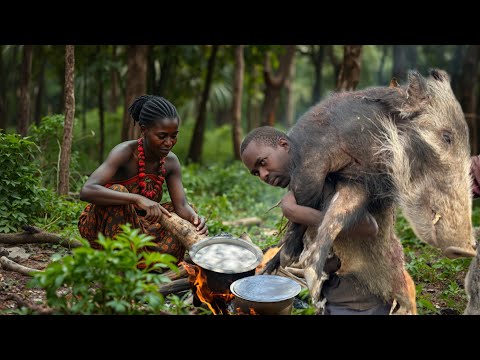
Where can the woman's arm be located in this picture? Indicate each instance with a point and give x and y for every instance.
(312, 217)
(95, 192)
(179, 199)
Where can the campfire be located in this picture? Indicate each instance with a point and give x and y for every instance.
(217, 301)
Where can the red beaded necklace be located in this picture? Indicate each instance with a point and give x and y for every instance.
(142, 180)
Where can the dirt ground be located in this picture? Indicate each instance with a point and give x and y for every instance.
(14, 283)
(39, 255)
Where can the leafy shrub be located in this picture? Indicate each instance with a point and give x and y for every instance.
(108, 281)
(49, 136)
(20, 191)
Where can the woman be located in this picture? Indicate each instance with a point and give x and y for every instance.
(131, 179)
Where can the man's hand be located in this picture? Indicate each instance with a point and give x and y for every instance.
(475, 173)
(288, 204)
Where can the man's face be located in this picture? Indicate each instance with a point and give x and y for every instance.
(270, 164)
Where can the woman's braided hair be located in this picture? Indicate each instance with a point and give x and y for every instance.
(146, 109)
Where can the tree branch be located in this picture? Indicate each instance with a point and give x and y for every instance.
(34, 235)
(13, 266)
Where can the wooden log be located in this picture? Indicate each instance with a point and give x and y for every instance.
(37, 309)
(34, 235)
(244, 222)
(13, 266)
(182, 230)
(285, 273)
(175, 286)
(246, 237)
(173, 275)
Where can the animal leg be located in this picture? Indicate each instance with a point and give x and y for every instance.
(345, 209)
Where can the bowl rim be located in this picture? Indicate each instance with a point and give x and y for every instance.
(226, 240)
(291, 286)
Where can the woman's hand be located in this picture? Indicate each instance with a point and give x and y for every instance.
(199, 222)
(154, 210)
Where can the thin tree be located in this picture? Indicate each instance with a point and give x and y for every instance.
(195, 151)
(40, 53)
(101, 106)
(3, 113)
(336, 63)
(65, 152)
(404, 59)
(136, 85)
(237, 100)
(380, 78)
(349, 75)
(114, 81)
(290, 104)
(467, 97)
(26, 74)
(317, 56)
(274, 84)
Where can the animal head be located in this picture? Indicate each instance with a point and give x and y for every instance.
(430, 163)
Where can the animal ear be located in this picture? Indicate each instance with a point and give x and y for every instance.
(440, 75)
(417, 85)
(417, 93)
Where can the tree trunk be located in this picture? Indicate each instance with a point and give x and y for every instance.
(115, 80)
(64, 172)
(101, 109)
(290, 107)
(457, 71)
(337, 65)
(274, 83)
(237, 100)
(195, 152)
(151, 73)
(167, 68)
(253, 107)
(317, 61)
(404, 59)
(3, 113)
(41, 87)
(84, 101)
(380, 78)
(468, 94)
(26, 73)
(349, 76)
(136, 86)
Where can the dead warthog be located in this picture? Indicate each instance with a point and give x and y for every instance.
(384, 147)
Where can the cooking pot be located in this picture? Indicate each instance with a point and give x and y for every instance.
(264, 295)
(225, 259)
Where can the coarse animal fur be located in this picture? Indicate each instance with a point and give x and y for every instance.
(383, 147)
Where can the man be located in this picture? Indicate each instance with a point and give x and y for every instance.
(475, 172)
(268, 154)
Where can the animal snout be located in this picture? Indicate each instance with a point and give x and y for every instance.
(453, 252)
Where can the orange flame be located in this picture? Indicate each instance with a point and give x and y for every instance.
(199, 280)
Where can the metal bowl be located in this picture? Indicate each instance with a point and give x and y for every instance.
(264, 295)
(219, 278)
(225, 254)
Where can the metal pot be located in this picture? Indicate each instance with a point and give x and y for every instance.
(218, 274)
(264, 295)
